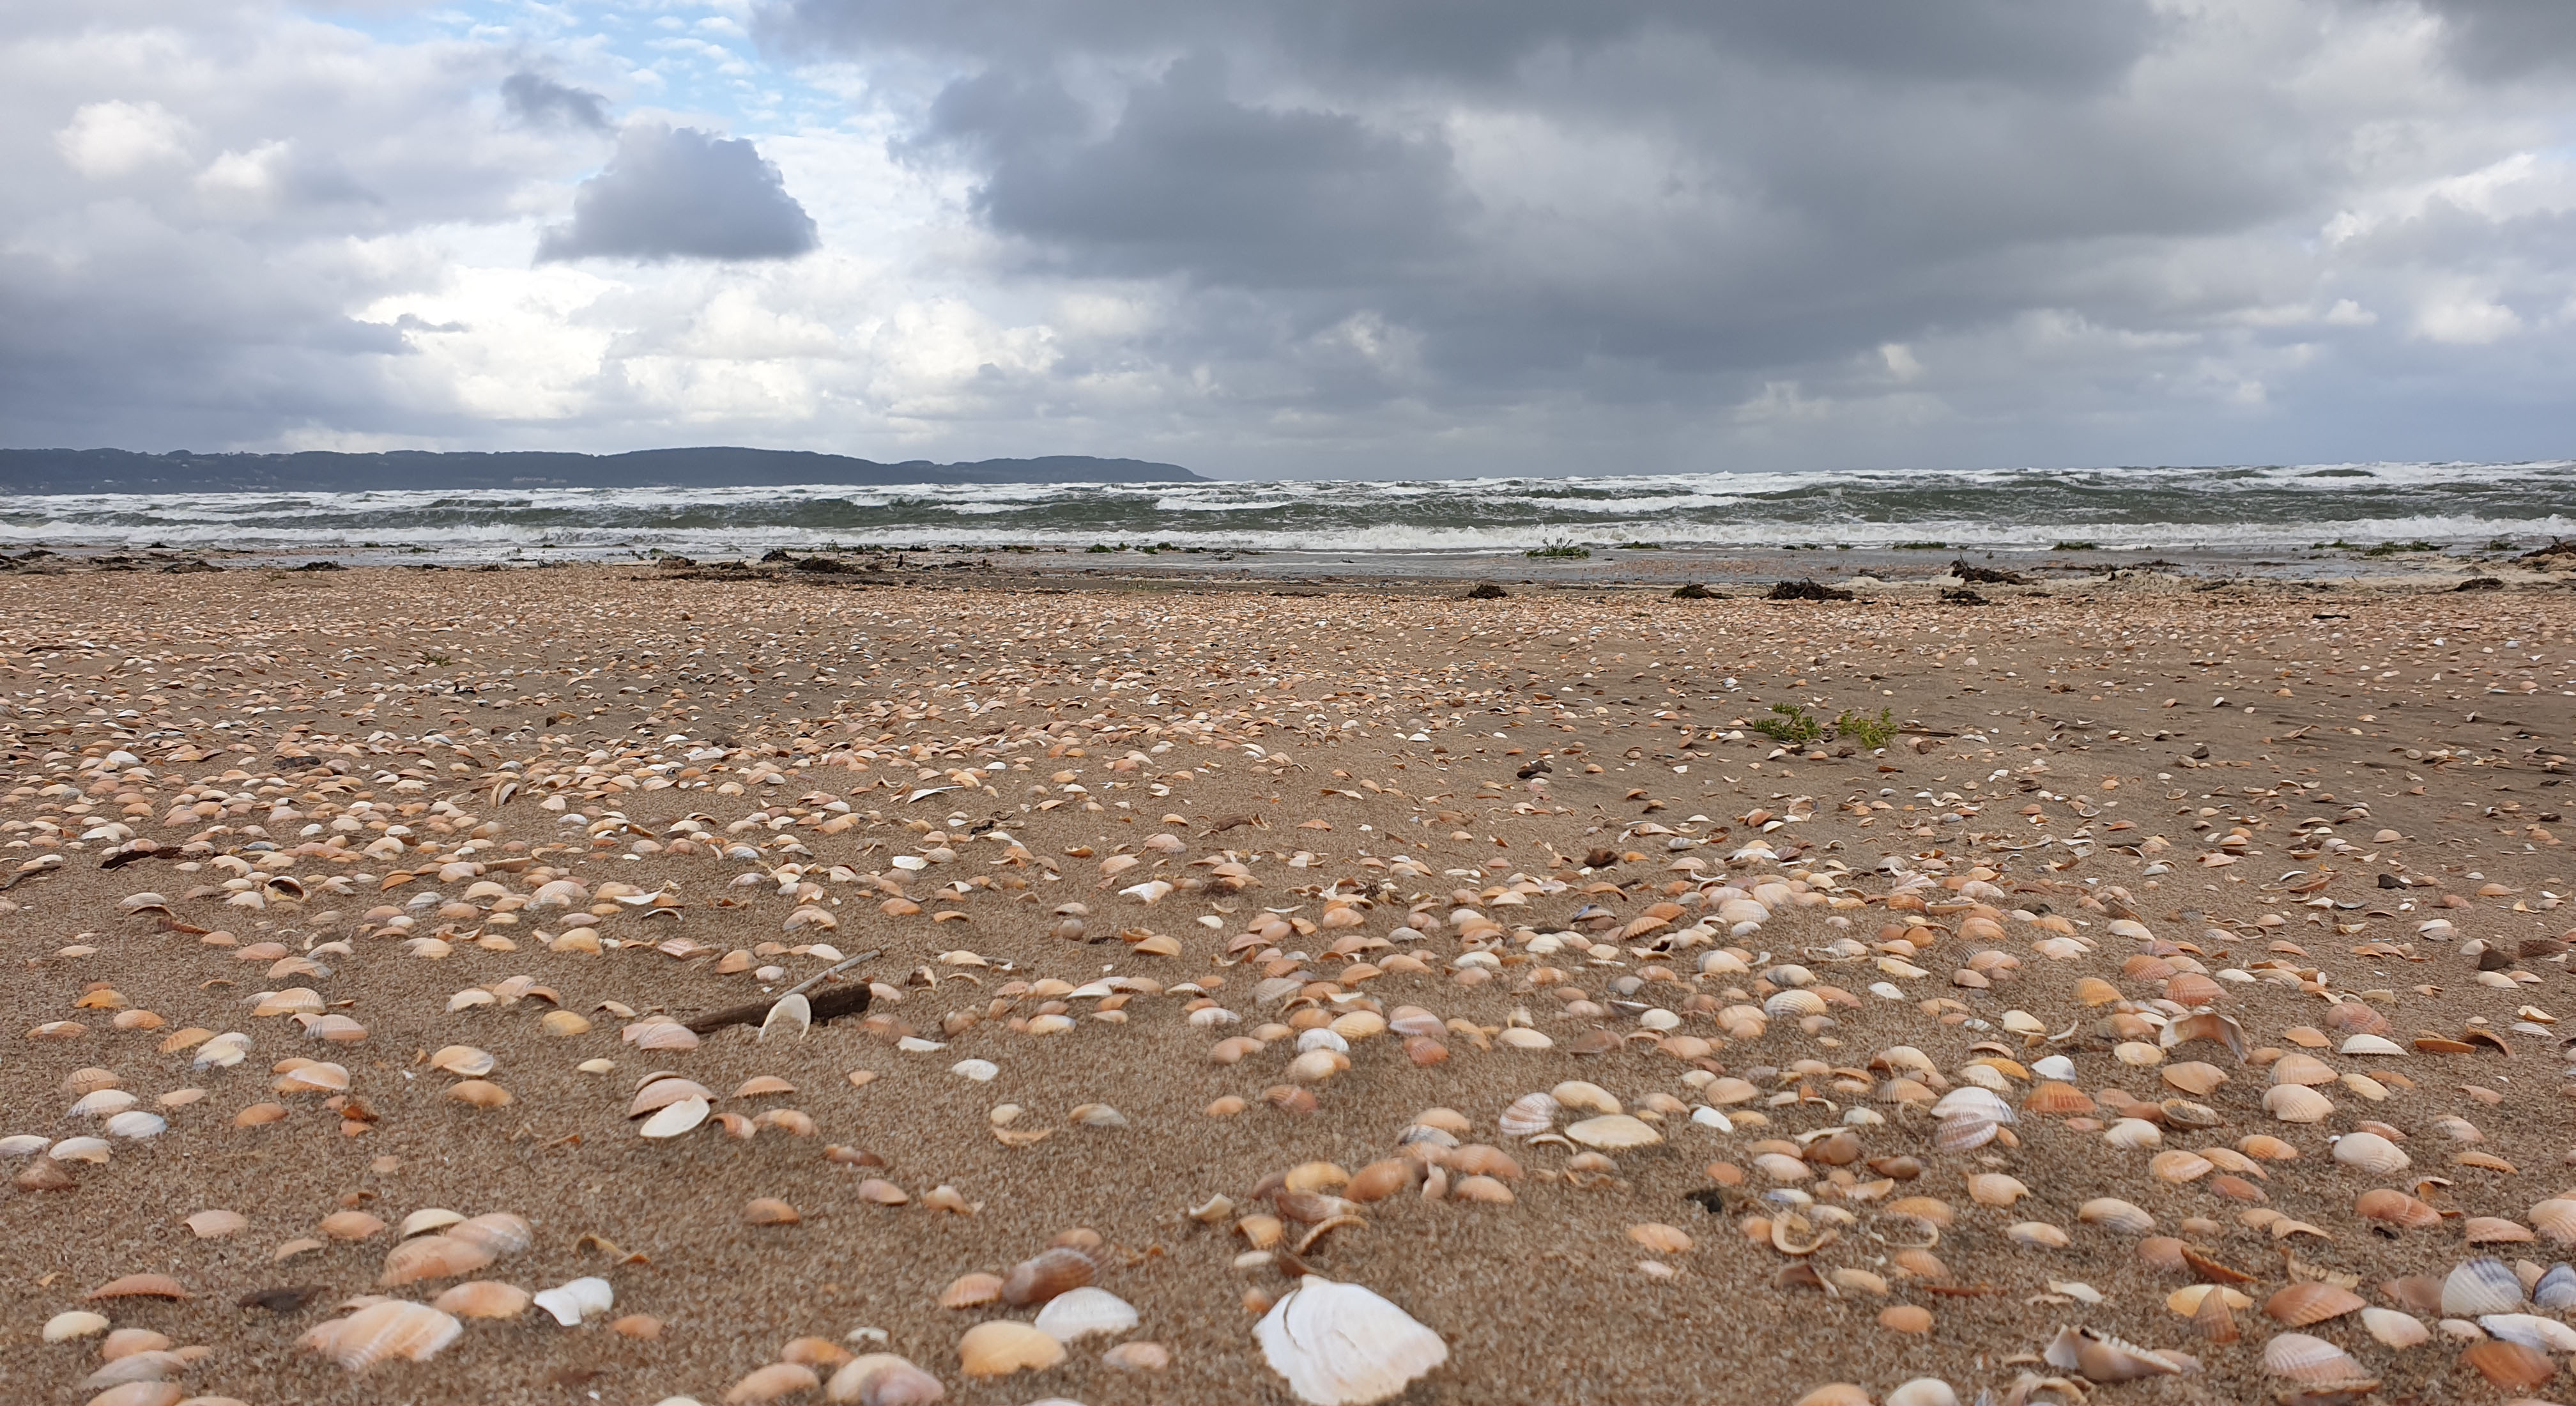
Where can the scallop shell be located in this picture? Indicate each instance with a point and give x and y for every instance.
(2302, 1304)
(883, 1379)
(971, 1291)
(1002, 1347)
(2481, 1286)
(2302, 1069)
(2395, 1329)
(2178, 1167)
(2114, 1214)
(483, 1298)
(1529, 1115)
(1793, 1004)
(383, 1331)
(2302, 1358)
(2372, 1154)
(1343, 1345)
(1079, 1313)
(574, 1300)
(2296, 1103)
(1964, 1133)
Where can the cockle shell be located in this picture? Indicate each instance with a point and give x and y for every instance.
(498, 1231)
(383, 1331)
(74, 1323)
(2556, 1289)
(214, 1225)
(2303, 1358)
(1047, 1274)
(1923, 1391)
(2531, 1330)
(2555, 1218)
(2481, 1286)
(2391, 1207)
(883, 1379)
(1002, 1347)
(431, 1257)
(2311, 1302)
(1079, 1313)
(767, 1384)
(1529, 1115)
(2511, 1366)
(2372, 1154)
(2296, 1103)
(1343, 1345)
(483, 1298)
(1995, 1189)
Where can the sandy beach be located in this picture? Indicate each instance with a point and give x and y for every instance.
(1483, 953)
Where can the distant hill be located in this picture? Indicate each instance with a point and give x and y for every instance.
(181, 471)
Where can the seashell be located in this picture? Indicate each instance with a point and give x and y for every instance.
(2178, 1167)
(1079, 1313)
(2296, 1103)
(133, 1393)
(2137, 1053)
(1137, 1357)
(2366, 1043)
(1529, 1115)
(1523, 1038)
(79, 1149)
(2295, 1068)
(381, 1332)
(1923, 1391)
(2194, 1077)
(2037, 1235)
(1613, 1132)
(73, 1323)
(1590, 1098)
(2556, 1289)
(2100, 1357)
(1343, 1345)
(2511, 1366)
(766, 1384)
(2395, 1329)
(431, 1257)
(574, 1300)
(2113, 1214)
(883, 1379)
(139, 1286)
(1834, 1394)
(769, 1210)
(790, 1014)
(1002, 1347)
(215, 1225)
(483, 1298)
(426, 1220)
(676, 1119)
(102, 1102)
(2494, 1230)
(2056, 1097)
(1905, 1318)
(1660, 1239)
(2302, 1304)
(1970, 1101)
(2370, 1153)
(2531, 1330)
(2555, 1218)
(2187, 1300)
(1379, 1180)
(1483, 1190)
(1793, 1004)
(971, 1291)
(1965, 1133)
(2481, 1286)
(2131, 1134)
(1049, 1273)
(350, 1225)
(2395, 1208)
(1995, 1189)
(2303, 1358)
(2267, 1148)
(499, 1232)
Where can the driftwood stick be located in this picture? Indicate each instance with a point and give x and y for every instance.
(831, 1005)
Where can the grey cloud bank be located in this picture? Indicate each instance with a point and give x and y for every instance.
(1318, 238)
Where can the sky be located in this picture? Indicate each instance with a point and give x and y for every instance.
(1298, 238)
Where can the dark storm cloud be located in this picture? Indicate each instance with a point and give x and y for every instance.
(2509, 37)
(537, 99)
(1188, 180)
(680, 193)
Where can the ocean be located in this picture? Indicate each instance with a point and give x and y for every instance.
(2231, 511)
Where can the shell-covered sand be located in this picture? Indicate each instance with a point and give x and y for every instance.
(1480, 954)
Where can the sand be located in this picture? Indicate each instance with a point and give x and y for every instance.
(2087, 747)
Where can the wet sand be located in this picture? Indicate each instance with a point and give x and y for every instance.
(2281, 784)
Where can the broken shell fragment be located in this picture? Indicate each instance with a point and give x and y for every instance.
(1343, 1345)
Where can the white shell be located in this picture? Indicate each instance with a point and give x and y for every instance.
(979, 1070)
(1924, 1391)
(80, 1149)
(2367, 1044)
(135, 1123)
(101, 1103)
(1970, 1101)
(1079, 1313)
(574, 1301)
(676, 1119)
(23, 1145)
(2395, 1329)
(1342, 1345)
(791, 1014)
(1529, 1115)
(2530, 1330)
(2370, 1153)
(2481, 1286)
(74, 1323)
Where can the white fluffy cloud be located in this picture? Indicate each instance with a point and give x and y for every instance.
(1330, 236)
